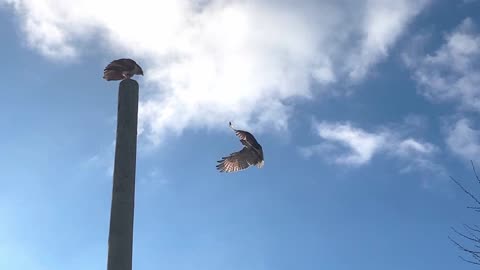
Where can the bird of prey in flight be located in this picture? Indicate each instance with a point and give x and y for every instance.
(251, 154)
(121, 69)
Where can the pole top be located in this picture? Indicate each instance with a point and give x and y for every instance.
(129, 83)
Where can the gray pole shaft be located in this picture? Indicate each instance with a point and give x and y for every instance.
(120, 239)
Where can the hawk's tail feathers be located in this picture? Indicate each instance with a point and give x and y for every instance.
(260, 164)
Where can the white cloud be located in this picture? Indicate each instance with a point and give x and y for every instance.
(208, 62)
(343, 143)
(464, 140)
(383, 23)
(362, 145)
(453, 71)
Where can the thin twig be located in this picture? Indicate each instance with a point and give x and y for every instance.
(465, 236)
(471, 234)
(472, 229)
(475, 171)
(468, 261)
(464, 190)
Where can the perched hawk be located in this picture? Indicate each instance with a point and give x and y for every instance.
(121, 69)
(251, 154)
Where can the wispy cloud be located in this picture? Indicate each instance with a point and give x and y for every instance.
(344, 143)
(153, 180)
(384, 21)
(463, 139)
(360, 145)
(452, 72)
(208, 62)
(103, 160)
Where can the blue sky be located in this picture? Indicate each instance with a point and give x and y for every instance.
(363, 109)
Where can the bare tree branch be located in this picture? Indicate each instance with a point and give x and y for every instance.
(475, 171)
(471, 233)
(475, 254)
(468, 261)
(464, 190)
(465, 236)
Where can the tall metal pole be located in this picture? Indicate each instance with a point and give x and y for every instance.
(120, 239)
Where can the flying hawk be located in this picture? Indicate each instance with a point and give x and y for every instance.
(121, 69)
(251, 154)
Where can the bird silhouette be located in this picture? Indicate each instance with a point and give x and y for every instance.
(121, 69)
(251, 154)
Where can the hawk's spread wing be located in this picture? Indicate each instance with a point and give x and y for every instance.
(246, 138)
(238, 161)
(242, 135)
(121, 65)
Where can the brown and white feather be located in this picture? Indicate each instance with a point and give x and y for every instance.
(121, 69)
(238, 161)
(251, 154)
